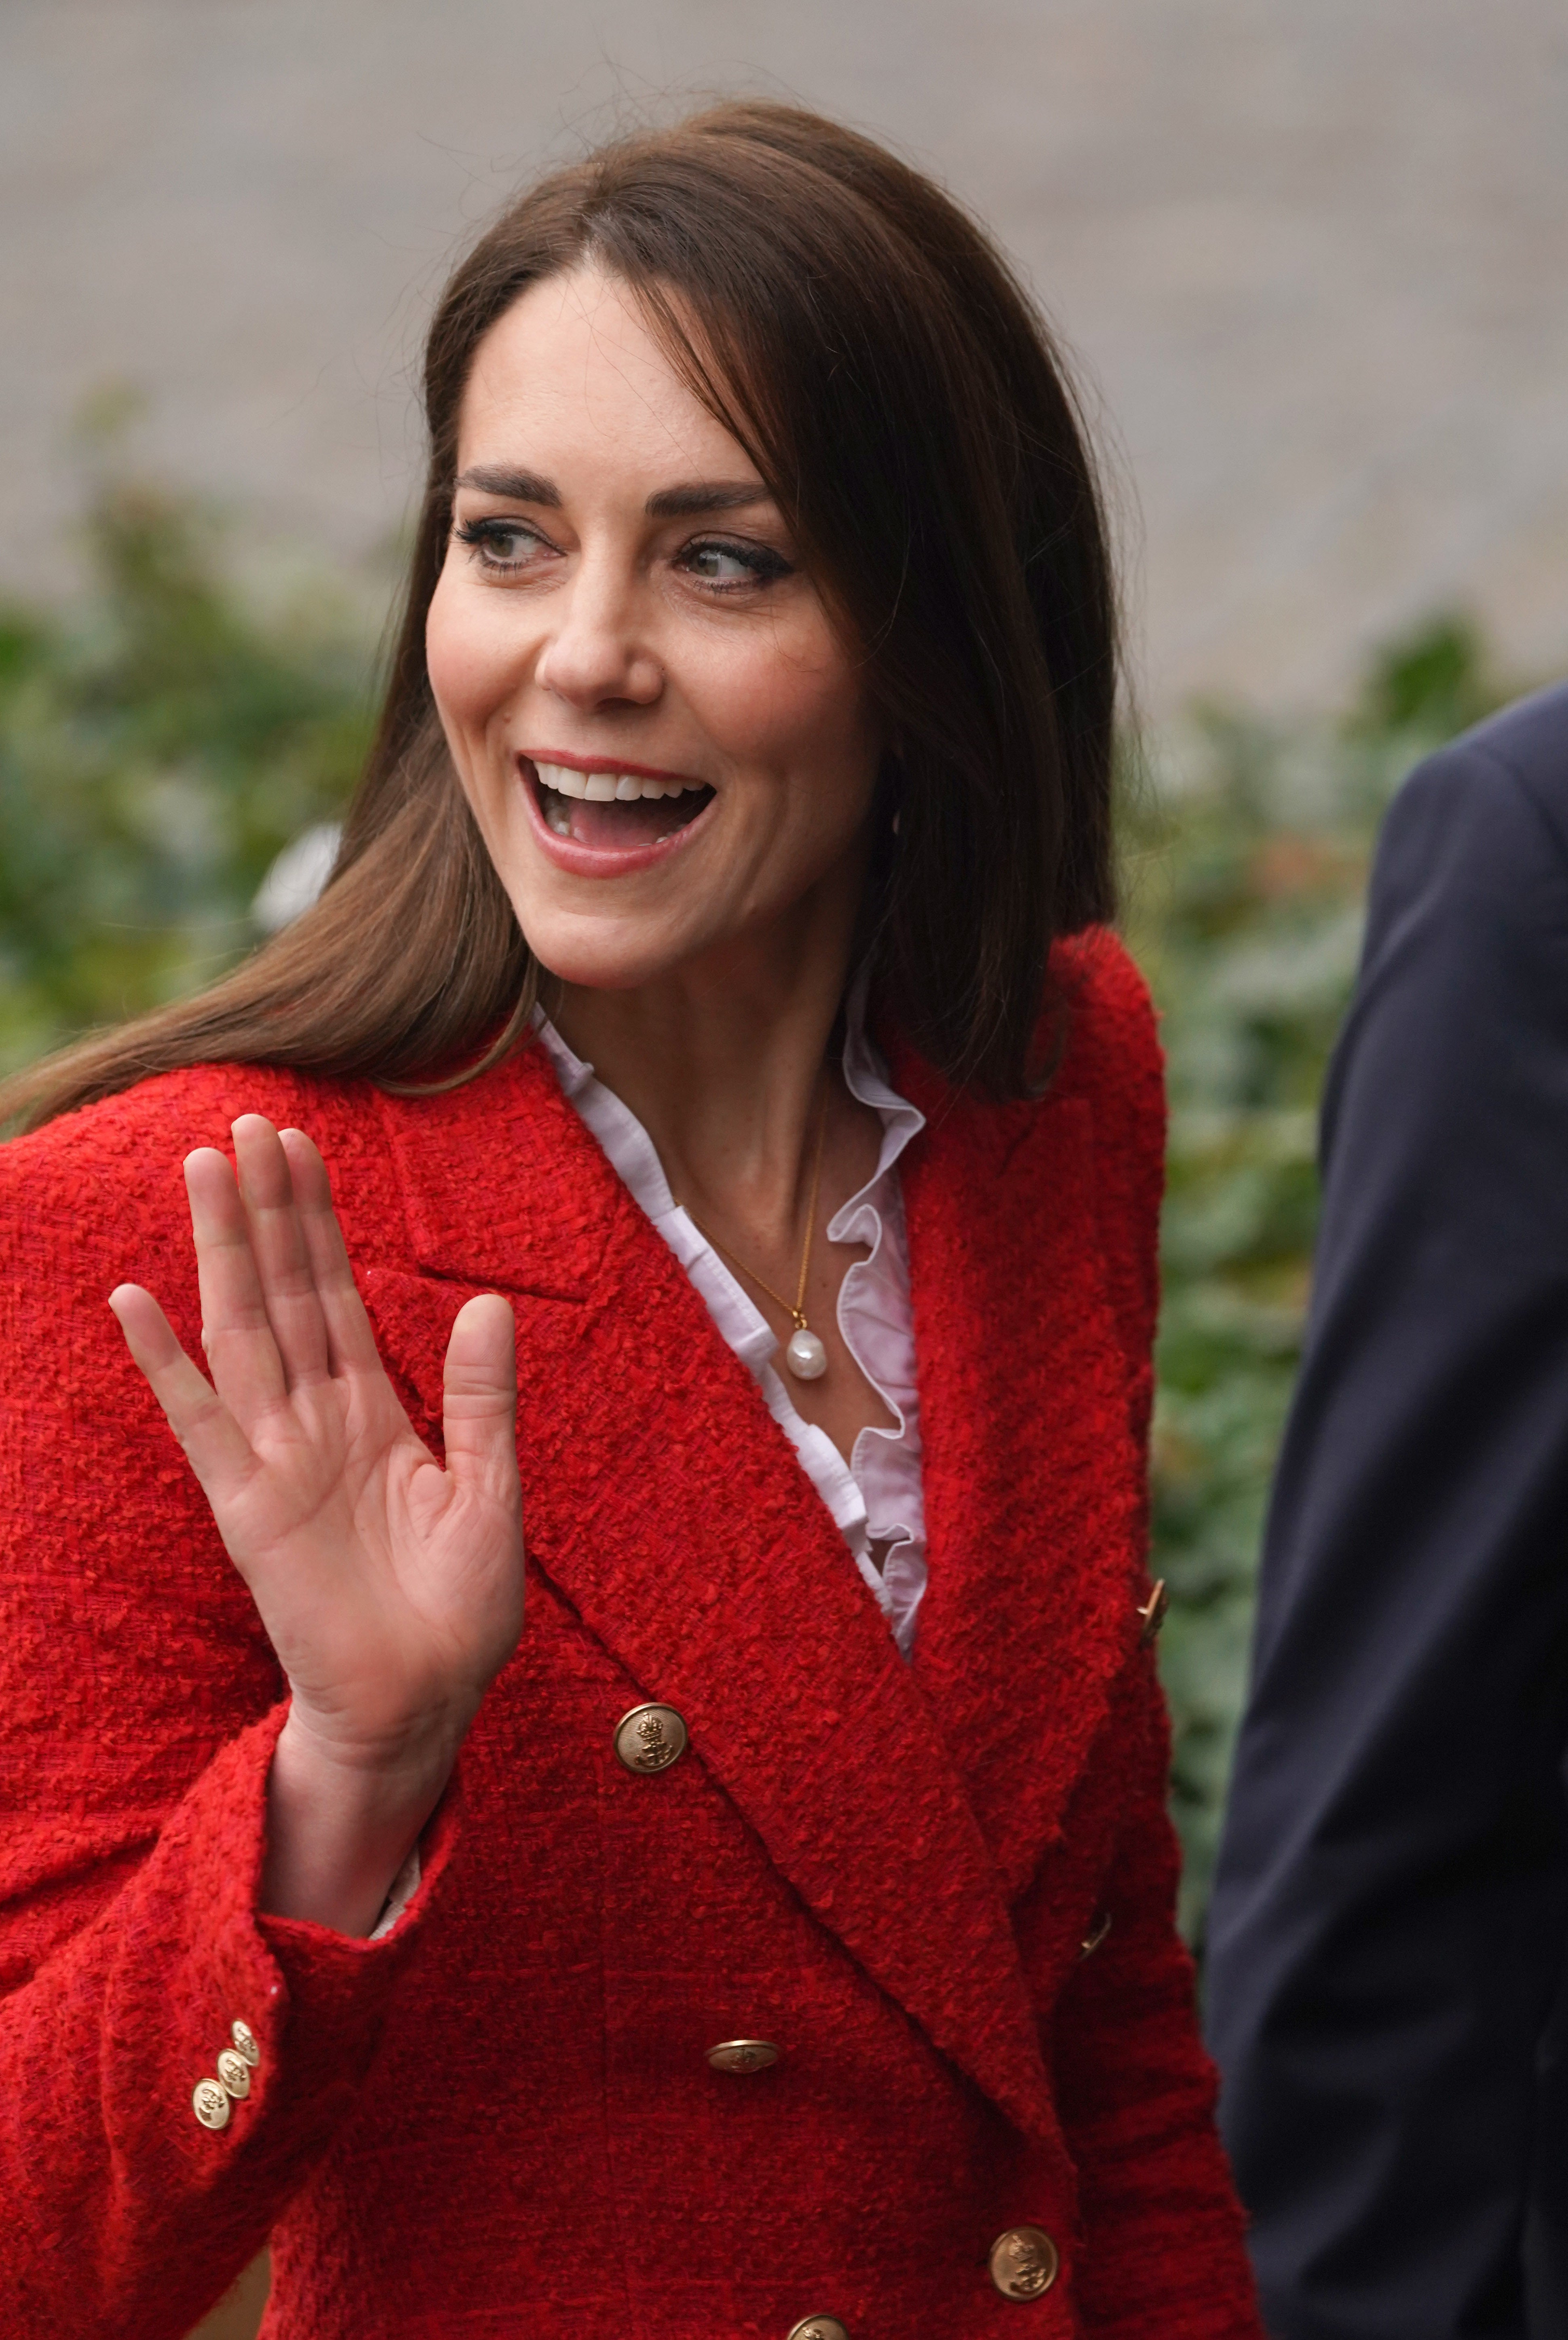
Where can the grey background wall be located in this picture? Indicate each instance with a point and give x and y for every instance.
(1311, 255)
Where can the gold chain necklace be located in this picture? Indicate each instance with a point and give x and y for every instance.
(804, 1353)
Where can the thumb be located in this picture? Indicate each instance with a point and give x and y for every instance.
(480, 1414)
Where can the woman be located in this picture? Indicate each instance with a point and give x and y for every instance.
(776, 1937)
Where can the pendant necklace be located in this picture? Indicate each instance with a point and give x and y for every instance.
(803, 1352)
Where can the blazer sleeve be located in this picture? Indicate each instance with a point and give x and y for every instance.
(1388, 1924)
(1162, 2242)
(1162, 2245)
(139, 1703)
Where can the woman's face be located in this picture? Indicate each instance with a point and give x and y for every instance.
(666, 745)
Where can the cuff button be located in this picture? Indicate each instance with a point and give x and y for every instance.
(210, 2102)
(234, 2073)
(245, 2040)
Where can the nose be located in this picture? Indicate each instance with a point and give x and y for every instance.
(596, 655)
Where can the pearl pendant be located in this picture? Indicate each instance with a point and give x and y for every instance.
(805, 1356)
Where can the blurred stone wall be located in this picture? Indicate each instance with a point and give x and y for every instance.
(1311, 257)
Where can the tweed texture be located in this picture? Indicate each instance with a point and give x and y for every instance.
(500, 2118)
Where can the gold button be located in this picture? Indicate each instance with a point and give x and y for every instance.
(819, 2327)
(1095, 1935)
(245, 2040)
(235, 2072)
(651, 1737)
(1153, 1614)
(1024, 2262)
(210, 2099)
(743, 2055)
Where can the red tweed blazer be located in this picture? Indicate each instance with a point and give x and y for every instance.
(499, 2120)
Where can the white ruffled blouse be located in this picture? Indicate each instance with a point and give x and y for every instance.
(876, 1497)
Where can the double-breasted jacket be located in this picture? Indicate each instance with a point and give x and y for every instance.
(501, 2118)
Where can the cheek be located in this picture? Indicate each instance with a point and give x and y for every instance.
(797, 707)
(470, 663)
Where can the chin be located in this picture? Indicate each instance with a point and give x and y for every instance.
(600, 961)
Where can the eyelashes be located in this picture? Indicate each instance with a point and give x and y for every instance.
(703, 559)
(484, 535)
(759, 563)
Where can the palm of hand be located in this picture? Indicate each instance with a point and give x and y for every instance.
(391, 1588)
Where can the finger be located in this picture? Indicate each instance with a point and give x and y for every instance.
(236, 1332)
(480, 1414)
(351, 1341)
(278, 1245)
(220, 1453)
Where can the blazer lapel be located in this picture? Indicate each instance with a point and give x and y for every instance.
(1034, 1480)
(663, 1499)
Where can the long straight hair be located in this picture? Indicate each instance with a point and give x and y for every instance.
(902, 398)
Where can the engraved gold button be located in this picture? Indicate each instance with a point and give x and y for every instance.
(1024, 2263)
(1095, 1935)
(235, 2072)
(819, 2327)
(245, 2040)
(743, 2055)
(651, 1737)
(1153, 1614)
(210, 2100)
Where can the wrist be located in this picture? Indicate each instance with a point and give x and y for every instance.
(342, 1820)
(372, 1768)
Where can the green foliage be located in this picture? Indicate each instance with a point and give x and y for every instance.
(159, 749)
(1248, 856)
(156, 750)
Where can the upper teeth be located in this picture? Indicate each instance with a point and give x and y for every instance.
(605, 788)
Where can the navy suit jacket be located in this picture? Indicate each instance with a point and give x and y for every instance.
(1386, 1946)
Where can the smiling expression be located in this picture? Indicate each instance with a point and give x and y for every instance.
(667, 745)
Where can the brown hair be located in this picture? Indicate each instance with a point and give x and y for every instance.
(896, 388)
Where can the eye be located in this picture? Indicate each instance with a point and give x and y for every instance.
(502, 544)
(725, 567)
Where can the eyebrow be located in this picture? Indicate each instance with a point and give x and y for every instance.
(706, 496)
(692, 496)
(518, 487)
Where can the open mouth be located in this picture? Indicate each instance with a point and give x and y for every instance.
(614, 812)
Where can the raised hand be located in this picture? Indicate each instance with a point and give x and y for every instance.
(391, 1588)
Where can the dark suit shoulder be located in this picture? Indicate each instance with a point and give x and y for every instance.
(1468, 901)
(1503, 786)
(1530, 737)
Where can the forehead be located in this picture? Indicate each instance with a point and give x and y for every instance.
(572, 376)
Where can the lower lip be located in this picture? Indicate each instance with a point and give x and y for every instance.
(591, 860)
